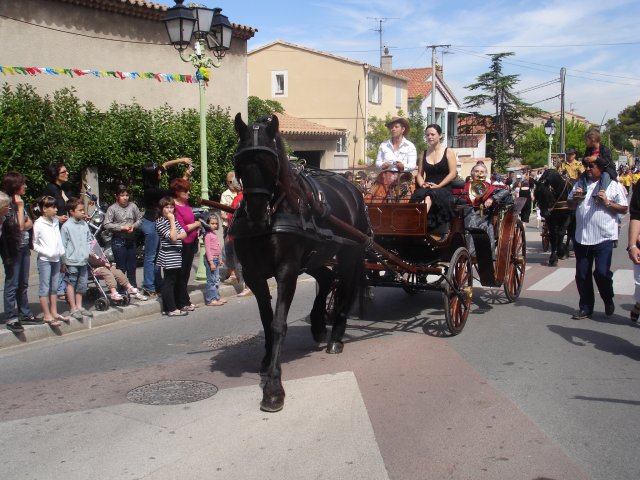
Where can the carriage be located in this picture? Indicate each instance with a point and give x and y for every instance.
(405, 254)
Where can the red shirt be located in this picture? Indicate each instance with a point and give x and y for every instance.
(184, 216)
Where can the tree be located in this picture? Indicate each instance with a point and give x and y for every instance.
(629, 120)
(508, 121)
(533, 146)
(258, 108)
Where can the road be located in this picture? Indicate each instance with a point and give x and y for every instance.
(523, 392)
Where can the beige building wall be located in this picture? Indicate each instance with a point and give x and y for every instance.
(324, 89)
(135, 45)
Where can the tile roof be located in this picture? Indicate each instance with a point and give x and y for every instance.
(373, 68)
(418, 84)
(290, 125)
(148, 11)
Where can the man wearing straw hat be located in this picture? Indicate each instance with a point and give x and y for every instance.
(397, 153)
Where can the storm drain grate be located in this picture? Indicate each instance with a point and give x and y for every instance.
(233, 341)
(171, 392)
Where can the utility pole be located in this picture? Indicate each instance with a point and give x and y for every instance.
(434, 79)
(379, 30)
(563, 72)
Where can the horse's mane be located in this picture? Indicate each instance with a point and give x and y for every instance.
(287, 177)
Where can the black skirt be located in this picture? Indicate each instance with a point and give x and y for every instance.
(441, 210)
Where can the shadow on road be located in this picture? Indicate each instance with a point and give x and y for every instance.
(600, 341)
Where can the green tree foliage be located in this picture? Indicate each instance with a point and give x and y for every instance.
(378, 132)
(617, 136)
(629, 120)
(36, 131)
(508, 120)
(258, 108)
(533, 146)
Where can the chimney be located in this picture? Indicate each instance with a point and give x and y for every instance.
(439, 70)
(386, 61)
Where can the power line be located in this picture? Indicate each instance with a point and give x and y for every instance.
(540, 101)
(536, 87)
(553, 46)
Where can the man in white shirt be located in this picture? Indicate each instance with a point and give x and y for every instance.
(397, 153)
(596, 232)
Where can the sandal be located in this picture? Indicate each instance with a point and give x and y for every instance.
(215, 303)
(62, 318)
(116, 297)
(177, 313)
(188, 308)
(53, 323)
(635, 313)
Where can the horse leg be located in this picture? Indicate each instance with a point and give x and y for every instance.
(324, 277)
(260, 289)
(273, 392)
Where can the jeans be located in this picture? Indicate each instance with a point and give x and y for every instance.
(124, 253)
(182, 295)
(49, 274)
(169, 289)
(586, 256)
(16, 283)
(213, 281)
(77, 276)
(152, 277)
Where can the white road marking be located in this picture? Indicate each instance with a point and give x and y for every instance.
(623, 283)
(556, 281)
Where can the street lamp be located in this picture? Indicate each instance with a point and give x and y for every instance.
(550, 130)
(207, 27)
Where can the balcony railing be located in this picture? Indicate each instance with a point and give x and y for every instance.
(463, 141)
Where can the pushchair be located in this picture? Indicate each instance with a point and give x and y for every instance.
(95, 291)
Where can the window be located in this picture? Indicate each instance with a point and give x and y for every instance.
(341, 146)
(279, 83)
(398, 94)
(375, 89)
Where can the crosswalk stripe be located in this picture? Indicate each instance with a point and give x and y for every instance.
(623, 283)
(556, 281)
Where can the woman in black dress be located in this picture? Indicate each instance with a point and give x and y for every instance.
(436, 171)
(526, 191)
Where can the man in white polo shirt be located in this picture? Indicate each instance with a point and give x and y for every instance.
(397, 153)
(596, 231)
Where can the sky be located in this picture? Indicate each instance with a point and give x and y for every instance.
(596, 41)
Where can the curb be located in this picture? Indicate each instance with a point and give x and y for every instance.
(114, 314)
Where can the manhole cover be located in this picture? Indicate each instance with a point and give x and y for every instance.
(172, 392)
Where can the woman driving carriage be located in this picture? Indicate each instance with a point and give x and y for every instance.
(436, 171)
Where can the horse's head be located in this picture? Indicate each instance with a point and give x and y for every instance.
(257, 165)
(550, 189)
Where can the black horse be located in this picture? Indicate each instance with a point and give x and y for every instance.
(283, 228)
(551, 194)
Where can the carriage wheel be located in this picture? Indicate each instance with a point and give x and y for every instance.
(459, 290)
(545, 237)
(514, 277)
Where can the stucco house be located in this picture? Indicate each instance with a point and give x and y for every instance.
(328, 90)
(118, 42)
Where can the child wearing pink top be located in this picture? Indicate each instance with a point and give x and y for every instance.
(212, 263)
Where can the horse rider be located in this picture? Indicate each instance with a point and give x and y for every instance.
(571, 168)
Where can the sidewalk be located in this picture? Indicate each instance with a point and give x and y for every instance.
(134, 310)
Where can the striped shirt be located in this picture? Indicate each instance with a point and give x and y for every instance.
(595, 223)
(169, 252)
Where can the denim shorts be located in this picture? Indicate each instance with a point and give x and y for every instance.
(49, 273)
(76, 276)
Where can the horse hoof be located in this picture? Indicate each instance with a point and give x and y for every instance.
(335, 347)
(319, 337)
(272, 404)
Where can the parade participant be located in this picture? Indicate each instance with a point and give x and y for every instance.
(635, 178)
(436, 171)
(571, 168)
(16, 253)
(593, 152)
(397, 153)
(633, 247)
(596, 232)
(526, 191)
(626, 179)
(152, 193)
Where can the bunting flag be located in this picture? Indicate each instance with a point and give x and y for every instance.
(201, 73)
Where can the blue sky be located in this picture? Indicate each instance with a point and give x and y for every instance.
(596, 41)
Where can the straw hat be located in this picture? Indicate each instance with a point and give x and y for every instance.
(402, 121)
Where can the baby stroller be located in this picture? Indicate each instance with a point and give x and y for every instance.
(95, 291)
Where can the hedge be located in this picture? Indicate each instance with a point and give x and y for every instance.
(37, 131)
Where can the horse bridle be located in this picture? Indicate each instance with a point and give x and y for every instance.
(557, 197)
(255, 147)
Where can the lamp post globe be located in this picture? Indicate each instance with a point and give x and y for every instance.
(550, 130)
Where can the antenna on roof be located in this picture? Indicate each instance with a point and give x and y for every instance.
(379, 30)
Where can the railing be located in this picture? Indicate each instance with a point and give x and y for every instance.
(463, 141)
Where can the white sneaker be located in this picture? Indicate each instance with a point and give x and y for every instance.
(139, 296)
(133, 291)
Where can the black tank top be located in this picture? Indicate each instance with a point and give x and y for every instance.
(437, 172)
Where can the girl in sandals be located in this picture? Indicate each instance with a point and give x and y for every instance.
(47, 242)
(169, 254)
(212, 262)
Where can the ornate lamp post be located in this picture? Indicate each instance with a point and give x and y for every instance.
(208, 27)
(550, 130)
